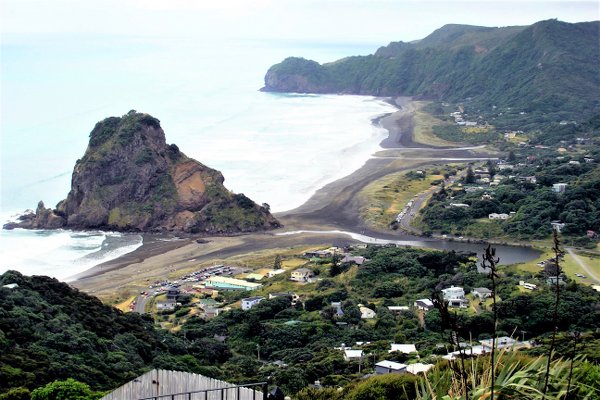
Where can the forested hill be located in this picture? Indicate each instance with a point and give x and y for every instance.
(50, 331)
(548, 70)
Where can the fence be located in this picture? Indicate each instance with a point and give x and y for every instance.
(176, 385)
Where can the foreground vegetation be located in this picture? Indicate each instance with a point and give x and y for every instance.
(58, 333)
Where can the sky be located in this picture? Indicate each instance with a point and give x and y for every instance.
(335, 21)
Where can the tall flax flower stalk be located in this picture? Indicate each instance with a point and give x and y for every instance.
(490, 261)
(557, 253)
(449, 323)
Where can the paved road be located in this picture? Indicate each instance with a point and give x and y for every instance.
(590, 273)
(141, 301)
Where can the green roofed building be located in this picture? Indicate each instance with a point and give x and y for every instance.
(224, 283)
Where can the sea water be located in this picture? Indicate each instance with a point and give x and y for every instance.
(275, 148)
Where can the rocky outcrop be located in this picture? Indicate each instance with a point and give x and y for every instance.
(130, 179)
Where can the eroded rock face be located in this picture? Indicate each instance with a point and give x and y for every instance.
(129, 179)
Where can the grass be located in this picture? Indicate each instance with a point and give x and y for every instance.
(568, 264)
(570, 268)
(386, 197)
(423, 130)
(124, 306)
(486, 229)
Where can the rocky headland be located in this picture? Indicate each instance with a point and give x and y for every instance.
(130, 179)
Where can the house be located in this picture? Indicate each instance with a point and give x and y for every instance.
(398, 309)
(418, 368)
(225, 283)
(168, 305)
(274, 272)
(172, 292)
(559, 187)
(358, 260)
(459, 205)
(318, 254)
(250, 302)
(453, 292)
(403, 348)
(389, 367)
(481, 292)
(11, 286)
(210, 312)
(350, 355)
(503, 342)
(495, 216)
(301, 275)
(366, 313)
(473, 351)
(424, 304)
(557, 226)
(552, 280)
(207, 303)
(526, 285)
(291, 295)
(455, 296)
(338, 308)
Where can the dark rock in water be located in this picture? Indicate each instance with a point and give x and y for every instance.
(129, 179)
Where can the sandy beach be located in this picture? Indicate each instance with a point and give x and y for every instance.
(333, 207)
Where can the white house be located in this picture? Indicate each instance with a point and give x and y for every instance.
(501, 343)
(366, 313)
(498, 216)
(250, 302)
(301, 275)
(403, 348)
(350, 355)
(274, 272)
(418, 368)
(482, 293)
(459, 205)
(350, 259)
(423, 304)
(453, 293)
(557, 225)
(168, 305)
(389, 367)
(559, 187)
(398, 309)
(455, 296)
(526, 285)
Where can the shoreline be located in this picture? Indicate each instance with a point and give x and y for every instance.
(335, 206)
(152, 245)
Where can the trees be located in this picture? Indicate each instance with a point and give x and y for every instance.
(69, 389)
(470, 176)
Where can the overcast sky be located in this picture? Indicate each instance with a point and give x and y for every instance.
(369, 21)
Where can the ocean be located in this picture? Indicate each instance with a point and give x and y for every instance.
(275, 148)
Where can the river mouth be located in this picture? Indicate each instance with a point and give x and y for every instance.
(507, 254)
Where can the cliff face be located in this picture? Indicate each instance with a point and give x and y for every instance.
(549, 67)
(129, 179)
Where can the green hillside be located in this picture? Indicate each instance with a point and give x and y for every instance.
(50, 331)
(548, 70)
